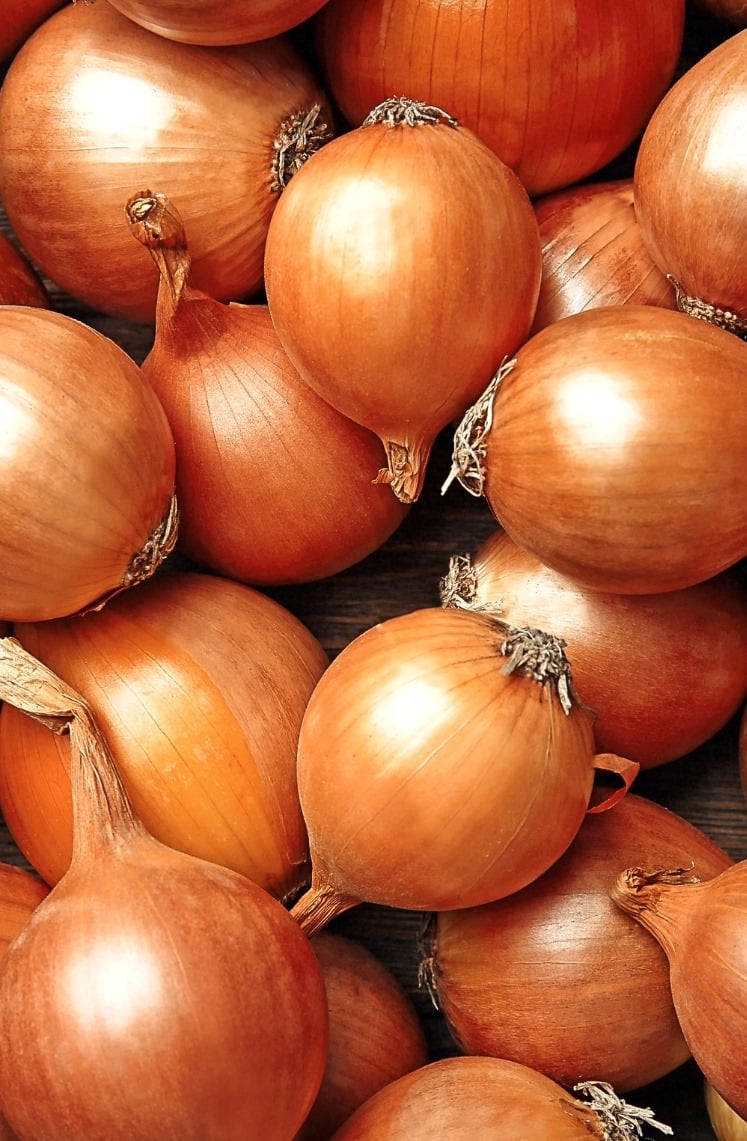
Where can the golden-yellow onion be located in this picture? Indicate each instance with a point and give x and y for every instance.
(94, 106)
(87, 468)
(218, 22)
(726, 1123)
(200, 685)
(20, 284)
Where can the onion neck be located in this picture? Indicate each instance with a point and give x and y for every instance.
(662, 901)
(405, 470)
(156, 223)
(319, 906)
(401, 111)
(299, 137)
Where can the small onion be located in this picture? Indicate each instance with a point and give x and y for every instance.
(200, 685)
(87, 468)
(94, 105)
(274, 485)
(20, 284)
(614, 449)
(217, 22)
(20, 19)
(442, 762)
(555, 976)
(20, 894)
(402, 263)
(726, 1124)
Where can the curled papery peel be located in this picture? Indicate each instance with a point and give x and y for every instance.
(621, 1120)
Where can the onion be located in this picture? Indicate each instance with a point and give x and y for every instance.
(94, 105)
(200, 685)
(217, 22)
(442, 762)
(614, 449)
(555, 976)
(691, 186)
(497, 1098)
(375, 1035)
(20, 284)
(726, 1124)
(20, 893)
(20, 19)
(631, 656)
(399, 270)
(274, 485)
(593, 253)
(702, 927)
(556, 88)
(86, 468)
(155, 994)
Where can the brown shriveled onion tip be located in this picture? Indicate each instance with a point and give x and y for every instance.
(458, 587)
(401, 111)
(299, 137)
(705, 311)
(620, 1119)
(468, 455)
(634, 888)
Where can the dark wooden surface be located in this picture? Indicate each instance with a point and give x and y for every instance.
(403, 575)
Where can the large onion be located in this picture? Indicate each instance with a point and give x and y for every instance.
(218, 22)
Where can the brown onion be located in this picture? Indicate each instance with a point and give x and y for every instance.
(86, 469)
(702, 927)
(557, 88)
(218, 22)
(20, 19)
(614, 449)
(20, 284)
(555, 976)
(200, 685)
(631, 656)
(402, 263)
(691, 185)
(155, 994)
(593, 253)
(274, 485)
(726, 1124)
(94, 105)
(20, 893)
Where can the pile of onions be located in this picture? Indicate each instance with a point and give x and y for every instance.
(497, 1098)
(557, 88)
(20, 284)
(632, 656)
(614, 449)
(93, 105)
(691, 186)
(593, 253)
(726, 1124)
(402, 264)
(155, 994)
(555, 976)
(200, 685)
(375, 1035)
(87, 468)
(20, 19)
(20, 894)
(217, 22)
(702, 927)
(443, 762)
(274, 485)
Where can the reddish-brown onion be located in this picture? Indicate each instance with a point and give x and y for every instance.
(20, 19)
(155, 994)
(375, 1035)
(442, 762)
(691, 185)
(557, 88)
(726, 1124)
(200, 685)
(20, 284)
(402, 263)
(217, 22)
(94, 105)
(555, 976)
(20, 894)
(87, 468)
(702, 927)
(614, 448)
(274, 485)
(631, 656)
(593, 253)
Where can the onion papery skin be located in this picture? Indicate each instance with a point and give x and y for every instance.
(19, 282)
(726, 1124)
(402, 264)
(428, 778)
(375, 1035)
(88, 468)
(617, 453)
(632, 656)
(555, 976)
(690, 180)
(556, 89)
(593, 253)
(217, 22)
(702, 927)
(20, 19)
(200, 685)
(20, 893)
(94, 106)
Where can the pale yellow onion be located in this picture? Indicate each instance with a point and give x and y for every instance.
(726, 1124)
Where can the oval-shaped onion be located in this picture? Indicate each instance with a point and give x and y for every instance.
(200, 685)
(593, 253)
(20, 894)
(632, 656)
(274, 485)
(557, 88)
(691, 185)
(726, 1124)
(20, 19)
(217, 22)
(555, 976)
(94, 105)
(87, 468)
(20, 284)
(402, 263)
(614, 448)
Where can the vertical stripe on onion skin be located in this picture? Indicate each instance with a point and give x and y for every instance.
(218, 22)
(402, 263)
(555, 976)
